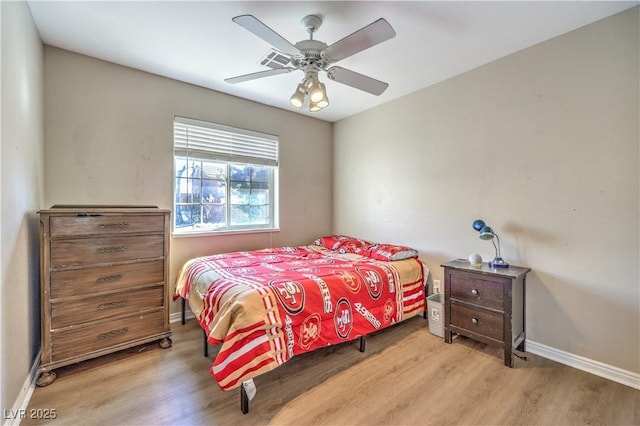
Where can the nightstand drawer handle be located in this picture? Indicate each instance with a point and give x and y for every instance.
(474, 320)
(474, 292)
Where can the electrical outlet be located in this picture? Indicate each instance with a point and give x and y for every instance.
(436, 286)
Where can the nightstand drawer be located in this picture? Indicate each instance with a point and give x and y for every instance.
(89, 251)
(478, 321)
(486, 292)
(75, 312)
(71, 226)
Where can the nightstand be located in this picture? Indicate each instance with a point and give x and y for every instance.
(485, 304)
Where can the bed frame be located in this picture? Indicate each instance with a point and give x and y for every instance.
(244, 398)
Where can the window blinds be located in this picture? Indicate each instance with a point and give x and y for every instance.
(200, 139)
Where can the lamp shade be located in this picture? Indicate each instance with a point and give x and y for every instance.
(486, 233)
(478, 224)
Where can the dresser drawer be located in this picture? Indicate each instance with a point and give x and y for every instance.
(82, 341)
(478, 321)
(75, 312)
(477, 290)
(77, 252)
(71, 226)
(77, 282)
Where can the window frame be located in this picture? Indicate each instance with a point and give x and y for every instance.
(183, 153)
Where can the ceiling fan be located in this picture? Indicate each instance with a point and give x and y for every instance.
(312, 56)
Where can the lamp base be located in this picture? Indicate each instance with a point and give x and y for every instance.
(498, 263)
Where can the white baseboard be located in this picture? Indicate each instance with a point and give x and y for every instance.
(597, 368)
(19, 409)
(177, 316)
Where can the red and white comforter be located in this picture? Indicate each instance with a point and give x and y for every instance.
(267, 306)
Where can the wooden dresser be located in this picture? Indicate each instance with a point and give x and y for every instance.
(485, 304)
(104, 282)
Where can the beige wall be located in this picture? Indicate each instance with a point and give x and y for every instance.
(21, 196)
(544, 146)
(109, 139)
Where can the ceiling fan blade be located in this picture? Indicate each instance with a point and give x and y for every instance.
(259, 74)
(253, 24)
(357, 80)
(364, 38)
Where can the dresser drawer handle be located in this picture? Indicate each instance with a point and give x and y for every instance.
(108, 250)
(109, 278)
(113, 333)
(474, 320)
(119, 225)
(112, 305)
(474, 292)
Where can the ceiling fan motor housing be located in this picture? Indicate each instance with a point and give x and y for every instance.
(311, 54)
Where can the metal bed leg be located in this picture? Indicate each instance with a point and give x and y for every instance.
(205, 344)
(183, 311)
(244, 400)
(362, 343)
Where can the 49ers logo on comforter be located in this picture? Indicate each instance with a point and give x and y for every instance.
(290, 294)
(372, 281)
(350, 280)
(343, 318)
(310, 330)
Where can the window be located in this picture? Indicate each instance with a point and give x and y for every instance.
(225, 178)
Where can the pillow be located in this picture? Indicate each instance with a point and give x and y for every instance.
(390, 252)
(342, 243)
(354, 245)
(332, 242)
(346, 244)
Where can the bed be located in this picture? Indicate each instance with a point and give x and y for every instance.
(266, 306)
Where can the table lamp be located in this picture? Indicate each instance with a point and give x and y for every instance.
(486, 233)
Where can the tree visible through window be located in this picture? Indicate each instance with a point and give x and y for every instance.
(214, 189)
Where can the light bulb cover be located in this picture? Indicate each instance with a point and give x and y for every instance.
(317, 92)
(297, 99)
(313, 107)
(323, 103)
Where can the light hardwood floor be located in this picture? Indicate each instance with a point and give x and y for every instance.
(407, 376)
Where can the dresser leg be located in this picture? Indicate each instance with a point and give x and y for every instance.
(166, 343)
(508, 357)
(46, 378)
(448, 336)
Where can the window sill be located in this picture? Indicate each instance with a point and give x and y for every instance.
(229, 232)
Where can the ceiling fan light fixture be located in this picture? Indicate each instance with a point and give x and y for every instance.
(297, 99)
(317, 91)
(323, 103)
(314, 107)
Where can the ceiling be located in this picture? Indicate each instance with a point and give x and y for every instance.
(197, 42)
